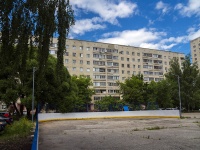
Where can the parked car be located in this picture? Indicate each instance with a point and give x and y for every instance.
(8, 120)
(2, 124)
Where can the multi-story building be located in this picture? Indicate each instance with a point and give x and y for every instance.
(107, 63)
(195, 50)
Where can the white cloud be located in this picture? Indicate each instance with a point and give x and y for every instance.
(86, 25)
(108, 10)
(192, 8)
(142, 37)
(162, 6)
(146, 38)
(193, 33)
(180, 39)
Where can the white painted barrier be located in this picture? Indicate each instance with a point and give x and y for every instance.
(115, 114)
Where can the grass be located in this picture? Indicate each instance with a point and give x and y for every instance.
(19, 128)
(198, 123)
(136, 129)
(155, 128)
(182, 117)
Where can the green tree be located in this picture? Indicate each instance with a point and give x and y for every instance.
(26, 29)
(109, 103)
(172, 77)
(189, 76)
(132, 90)
(189, 83)
(164, 94)
(84, 91)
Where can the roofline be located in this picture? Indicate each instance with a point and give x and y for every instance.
(125, 45)
(194, 39)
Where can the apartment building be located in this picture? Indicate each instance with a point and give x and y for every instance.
(107, 63)
(195, 50)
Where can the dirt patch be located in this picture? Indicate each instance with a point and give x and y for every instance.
(121, 134)
(24, 143)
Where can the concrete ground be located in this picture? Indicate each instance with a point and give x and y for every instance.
(122, 134)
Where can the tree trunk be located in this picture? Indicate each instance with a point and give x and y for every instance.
(21, 110)
(188, 108)
(28, 113)
(17, 111)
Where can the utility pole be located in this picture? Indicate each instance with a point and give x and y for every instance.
(179, 93)
(34, 69)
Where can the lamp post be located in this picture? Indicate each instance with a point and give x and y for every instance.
(34, 69)
(179, 93)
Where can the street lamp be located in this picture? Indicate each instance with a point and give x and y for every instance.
(179, 93)
(34, 69)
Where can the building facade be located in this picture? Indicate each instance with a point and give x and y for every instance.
(107, 63)
(195, 50)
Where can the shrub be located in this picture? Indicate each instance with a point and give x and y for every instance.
(19, 128)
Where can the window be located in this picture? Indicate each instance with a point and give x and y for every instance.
(122, 65)
(127, 52)
(74, 61)
(88, 55)
(122, 58)
(81, 47)
(165, 57)
(138, 66)
(81, 61)
(133, 59)
(66, 61)
(195, 55)
(138, 60)
(128, 72)
(74, 68)
(121, 52)
(123, 78)
(52, 52)
(88, 48)
(67, 46)
(81, 54)
(73, 47)
(122, 71)
(97, 98)
(74, 54)
(133, 66)
(115, 57)
(81, 69)
(127, 59)
(88, 62)
(54, 45)
(165, 63)
(138, 54)
(128, 65)
(134, 72)
(66, 53)
(88, 69)
(133, 53)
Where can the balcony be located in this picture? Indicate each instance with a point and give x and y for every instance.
(147, 55)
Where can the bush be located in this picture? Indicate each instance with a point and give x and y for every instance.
(19, 128)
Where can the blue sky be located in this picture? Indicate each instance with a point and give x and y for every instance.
(163, 25)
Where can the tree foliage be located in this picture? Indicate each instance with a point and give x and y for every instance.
(26, 29)
(189, 82)
(133, 90)
(109, 103)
